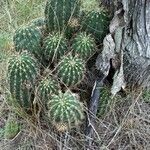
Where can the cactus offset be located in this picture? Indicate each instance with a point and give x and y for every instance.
(59, 12)
(65, 110)
(28, 38)
(55, 46)
(71, 70)
(47, 87)
(22, 71)
(84, 45)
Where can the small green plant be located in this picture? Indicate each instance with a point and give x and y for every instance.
(47, 87)
(146, 95)
(5, 41)
(11, 128)
(58, 14)
(84, 45)
(65, 110)
(71, 70)
(28, 38)
(55, 46)
(2, 131)
(22, 71)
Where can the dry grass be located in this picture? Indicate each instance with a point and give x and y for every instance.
(126, 126)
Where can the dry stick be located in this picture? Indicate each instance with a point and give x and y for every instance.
(93, 106)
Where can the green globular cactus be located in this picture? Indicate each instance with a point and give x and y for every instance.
(71, 70)
(84, 45)
(58, 13)
(22, 71)
(96, 22)
(104, 102)
(55, 46)
(65, 110)
(11, 128)
(47, 87)
(28, 38)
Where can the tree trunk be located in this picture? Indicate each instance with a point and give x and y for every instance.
(126, 51)
(127, 47)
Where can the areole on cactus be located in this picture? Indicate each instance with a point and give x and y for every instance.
(22, 71)
(71, 70)
(65, 110)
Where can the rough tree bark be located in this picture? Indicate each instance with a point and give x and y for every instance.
(127, 46)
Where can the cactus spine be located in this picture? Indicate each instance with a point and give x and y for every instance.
(55, 46)
(22, 71)
(71, 70)
(47, 87)
(84, 45)
(65, 110)
(28, 38)
(59, 12)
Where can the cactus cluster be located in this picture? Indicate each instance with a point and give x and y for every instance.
(64, 45)
(65, 110)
